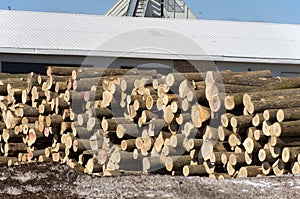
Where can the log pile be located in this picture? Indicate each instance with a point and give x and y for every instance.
(115, 121)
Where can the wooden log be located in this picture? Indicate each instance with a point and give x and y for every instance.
(288, 114)
(60, 105)
(280, 168)
(195, 143)
(29, 120)
(45, 109)
(93, 166)
(126, 161)
(249, 171)
(128, 145)
(91, 123)
(82, 119)
(290, 154)
(101, 156)
(233, 101)
(177, 140)
(59, 147)
(153, 165)
(139, 105)
(43, 158)
(147, 116)
(177, 162)
(266, 126)
(264, 155)
(80, 145)
(96, 141)
(216, 76)
(251, 145)
(54, 120)
(12, 149)
(185, 105)
(184, 88)
(259, 135)
(60, 87)
(86, 84)
(275, 151)
(273, 103)
(251, 158)
(12, 120)
(218, 158)
(225, 119)
(156, 126)
(159, 142)
(35, 154)
(220, 176)
(9, 135)
(237, 159)
(128, 129)
(212, 168)
(286, 129)
(211, 134)
(100, 113)
(295, 168)
(65, 127)
(13, 161)
(266, 168)
(253, 96)
(60, 70)
(252, 78)
(199, 115)
(258, 119)
(26, 111)
(197, 96)
(194, 170)
(111, 124)
(36, 136)
(241, 121)
(191, 132)
(208, 147)
(250, 131)
(94, 95)
(284, 141)
(230, 169)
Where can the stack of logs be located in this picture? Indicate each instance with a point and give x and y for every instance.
(220, 124)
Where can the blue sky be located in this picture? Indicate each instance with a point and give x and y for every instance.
(276, 11)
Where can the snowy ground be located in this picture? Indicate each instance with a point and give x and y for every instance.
(58, 181)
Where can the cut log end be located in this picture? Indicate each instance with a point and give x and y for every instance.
(295, 168)
(280, 115)
(229, 102)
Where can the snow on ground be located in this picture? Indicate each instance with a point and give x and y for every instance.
(59, 181)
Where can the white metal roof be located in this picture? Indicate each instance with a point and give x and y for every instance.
(77, 34)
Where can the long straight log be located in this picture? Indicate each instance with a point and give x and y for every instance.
(288, 114)
(290, 154)
(194, 170)
(177, 162)
(249, 171)
(253, 96)
(286, 129)
(241, 121)
(284, 141)
(273, 103)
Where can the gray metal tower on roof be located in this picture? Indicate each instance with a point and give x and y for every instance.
(151, 8)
